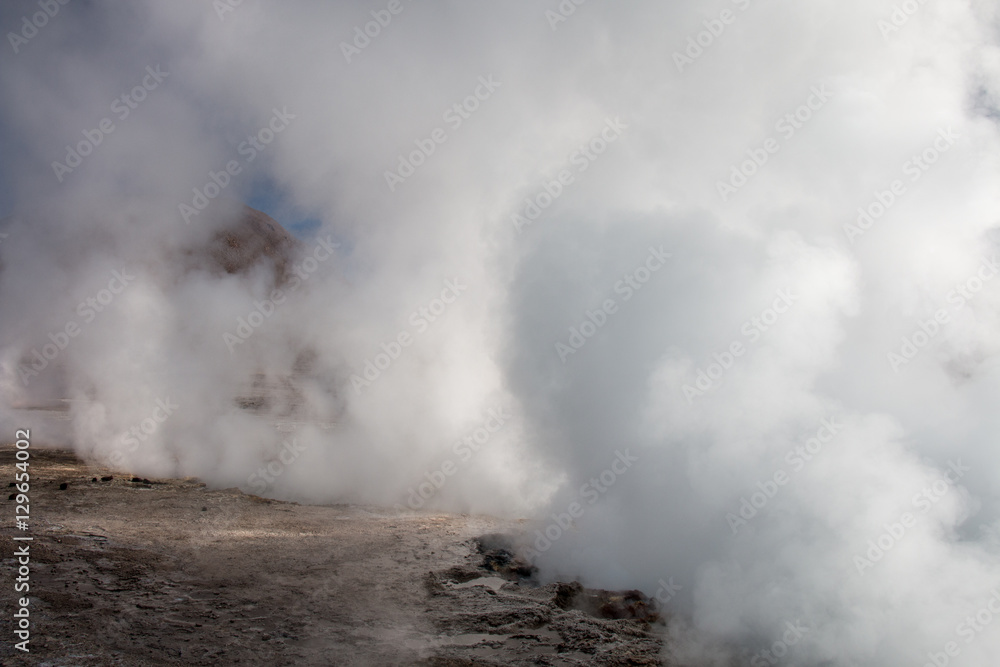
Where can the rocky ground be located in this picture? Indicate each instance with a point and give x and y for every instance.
(129, 571)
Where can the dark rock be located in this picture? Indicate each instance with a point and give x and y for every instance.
(566, 594)
(614, 605)
(107, 478)
(63, 486)
(250, 237)
(498, 556)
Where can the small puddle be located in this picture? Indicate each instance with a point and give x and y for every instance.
(493, 583)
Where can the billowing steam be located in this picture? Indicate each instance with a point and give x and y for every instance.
(708, 290)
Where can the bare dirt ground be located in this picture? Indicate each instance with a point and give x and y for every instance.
(169, 572)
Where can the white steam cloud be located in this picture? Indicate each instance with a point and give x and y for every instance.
(707, 290)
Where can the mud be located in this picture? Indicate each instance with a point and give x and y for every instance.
(136, 571)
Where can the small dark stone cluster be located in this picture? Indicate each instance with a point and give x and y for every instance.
(498, 556)
(615, 605)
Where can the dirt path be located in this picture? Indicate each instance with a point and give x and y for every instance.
(170, 572)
